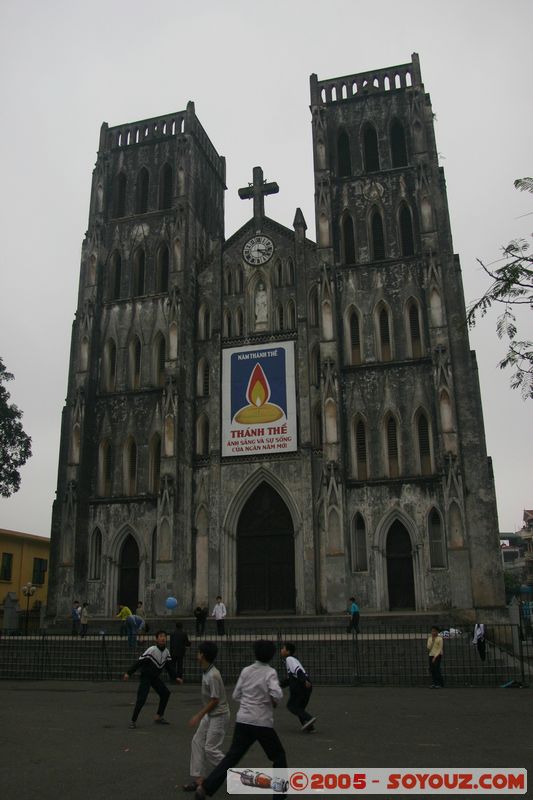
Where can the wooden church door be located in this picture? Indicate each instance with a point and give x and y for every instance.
(265, 555)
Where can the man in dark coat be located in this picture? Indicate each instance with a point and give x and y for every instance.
(178, 642)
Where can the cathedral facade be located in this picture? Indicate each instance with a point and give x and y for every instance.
(280, 421)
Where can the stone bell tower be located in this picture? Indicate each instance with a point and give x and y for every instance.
(418, 493)
(121, 522)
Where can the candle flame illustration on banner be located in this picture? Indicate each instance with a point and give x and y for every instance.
(259, 400)
(258, 394)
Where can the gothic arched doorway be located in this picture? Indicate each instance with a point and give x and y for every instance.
(128, 581)
(400, 577)
(265, 554)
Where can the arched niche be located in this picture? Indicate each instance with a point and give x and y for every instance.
(330, 417)
(455, 526)
(334, 537)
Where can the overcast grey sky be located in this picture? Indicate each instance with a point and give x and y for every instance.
(68, 66)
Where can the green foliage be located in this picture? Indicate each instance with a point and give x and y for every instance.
(512, 584)
(512, 286)
(15, 445)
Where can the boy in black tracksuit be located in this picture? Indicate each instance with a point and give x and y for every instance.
(300, 688)
(151, 663)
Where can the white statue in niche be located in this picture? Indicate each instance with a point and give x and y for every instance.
(261, 309)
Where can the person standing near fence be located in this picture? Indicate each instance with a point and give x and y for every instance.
(178, 642)
(84, 619)
(75, 616)
(134, 625)
(139, 611)
(212, 719)
(435, 647)
(353, 610)
(300, 688)
(123, 613)
(200, 615)
(479, 640)
(219, 612)
(151, 663)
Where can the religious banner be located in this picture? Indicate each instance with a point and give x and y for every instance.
(258, 400)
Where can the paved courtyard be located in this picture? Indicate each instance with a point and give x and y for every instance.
(72, 741)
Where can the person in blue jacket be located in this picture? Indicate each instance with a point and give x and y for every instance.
(353, 610)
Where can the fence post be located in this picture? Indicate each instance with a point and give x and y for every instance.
(521, 656)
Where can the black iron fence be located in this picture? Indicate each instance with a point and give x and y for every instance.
(378, 656)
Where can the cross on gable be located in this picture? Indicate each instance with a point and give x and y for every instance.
(257, 190)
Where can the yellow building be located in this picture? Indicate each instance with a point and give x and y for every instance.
(24, 558)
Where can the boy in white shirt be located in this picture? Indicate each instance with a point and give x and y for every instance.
(219, 612)
(258, 692)
(212, 720)
(300, 688)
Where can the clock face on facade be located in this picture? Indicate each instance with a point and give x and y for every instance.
(258, 250)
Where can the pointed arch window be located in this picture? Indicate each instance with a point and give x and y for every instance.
(130, 467)
(370, 149)
(330, 421)
(314, 315)
(160, 354)
(115, 277)
(119, 195)
(291, 316)
(446, 416)
(437, 544)
(202, 378)
(348, 239)
(155, 463)
(290, 272)
(397, 144)
(76, 444)
(424, 445)
(393, 459)
(84, 354)
(315, 366)
(165, 187)
(359, 549)
(95, 556)
(239, 281)
(239, 323)
(278, 276)
(229, 282)
(163, 267)
(327, 320)
(141, 191)
(202, 436)
(104, 469)
(279, 314)
(316, 428)
(110, 366)
(385, 347)
(435, 308)
(377, 236)
(135, 362)
(227, 324)
(153, 560)
(414, 329)
(406, 231)
(92, 270)
(204, 323)
(354, 332)
(138, 277)
(361, 455)
(344, 158)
